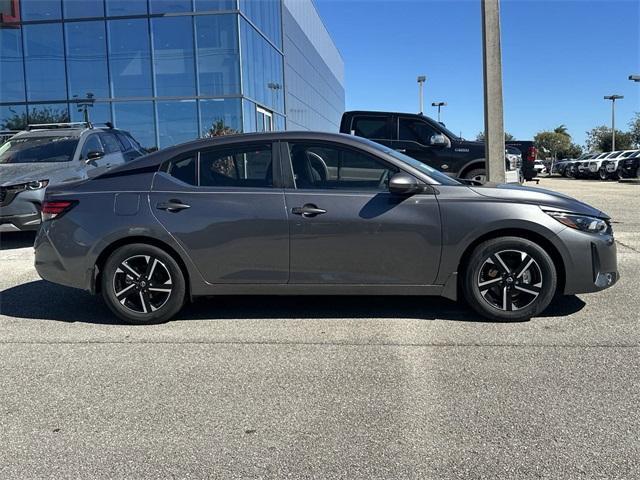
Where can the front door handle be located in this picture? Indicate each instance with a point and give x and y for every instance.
(172, 205)
(308, 210)
(401, 150)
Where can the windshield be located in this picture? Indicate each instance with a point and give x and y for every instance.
(38, 149)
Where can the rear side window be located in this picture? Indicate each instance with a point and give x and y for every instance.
(371, 127)
(243, 166)
(184, 169)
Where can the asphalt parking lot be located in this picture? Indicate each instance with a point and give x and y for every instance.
(323, 387)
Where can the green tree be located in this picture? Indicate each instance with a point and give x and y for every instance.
(218, 128)
(553, 142)
(574, 151)
(37, 115)
(634, 130)
(507, 137)
(562, 130)
(599, 139)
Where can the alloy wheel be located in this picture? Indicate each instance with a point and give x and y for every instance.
(142, 284)
(510, 280)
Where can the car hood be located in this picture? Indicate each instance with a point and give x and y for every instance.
(15, 173)
(537, 196)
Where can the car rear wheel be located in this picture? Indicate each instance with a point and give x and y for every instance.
(509, 279)
(477, 174)
(142, 284)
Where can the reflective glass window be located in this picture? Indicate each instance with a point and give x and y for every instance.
(261, 69)
(177, 122)
(415, 131)
(218, 56)
(48, 113)
(11, 71)
(169, 6)
(371, 127)
(91, 144)
(206, 5)
(266, 15)
(13, 117)
(137, 118)
(110, 142)
(126, 7)
(278, 123)
(87, 59)
(130, 57)
(245, 166)
(220, 117)
(44, 62)
(248, 116)
(99, 113)
(331, 167)
(40, 10)
(83, 8)
(173, 52)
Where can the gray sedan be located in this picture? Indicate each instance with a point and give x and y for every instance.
(315, 214)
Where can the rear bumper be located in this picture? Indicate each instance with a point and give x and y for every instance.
(592, 264)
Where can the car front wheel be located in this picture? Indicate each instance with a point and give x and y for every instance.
(509, 279)
(143, 284)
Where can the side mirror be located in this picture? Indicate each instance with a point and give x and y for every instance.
(439, 140)
(404, 184)
(94, 155)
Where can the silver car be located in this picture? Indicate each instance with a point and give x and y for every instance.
(44, 155)
(315, 214)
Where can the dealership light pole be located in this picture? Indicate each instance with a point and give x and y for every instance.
(493, 107)
(439, 104)
(421, 80)
(613, 99)
(634, 78)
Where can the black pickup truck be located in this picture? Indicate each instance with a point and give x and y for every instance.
(430, 142)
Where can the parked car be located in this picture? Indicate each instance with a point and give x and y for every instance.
(609, 167)
(315, 214)
(43, 155)
(630, 166)
(431, 142)
(539, 166)
(560, 167)
(581, 167)
(595, 166)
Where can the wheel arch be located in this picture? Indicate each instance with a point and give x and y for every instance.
(113, 246)
(535, 237)
(476, 163)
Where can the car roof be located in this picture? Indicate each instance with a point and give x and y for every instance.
(62, 132)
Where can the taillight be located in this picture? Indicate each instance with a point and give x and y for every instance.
(55, 208)
(532, 153)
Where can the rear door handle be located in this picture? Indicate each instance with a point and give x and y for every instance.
(308, 210)
(172, 205)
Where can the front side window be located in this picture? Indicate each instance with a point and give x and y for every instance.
(92, 144)
(110, 142)
(333, 167)
(247, 166)
(415, 131)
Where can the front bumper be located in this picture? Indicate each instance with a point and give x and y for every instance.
(592, 263)
(21, 211)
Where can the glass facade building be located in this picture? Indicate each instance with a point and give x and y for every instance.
(169, 71)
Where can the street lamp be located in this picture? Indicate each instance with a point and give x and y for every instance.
(421, 80)
(613, 99)
(439, 105)
(84, 104)
(634, 78)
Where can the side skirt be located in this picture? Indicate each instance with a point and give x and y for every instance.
(319, 289)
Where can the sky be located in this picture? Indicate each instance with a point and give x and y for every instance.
(559, 58)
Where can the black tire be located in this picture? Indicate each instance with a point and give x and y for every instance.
(602, 173)
(530, 290)
(155, 295)
(479, 174)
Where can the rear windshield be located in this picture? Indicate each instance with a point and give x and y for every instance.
(38, 149)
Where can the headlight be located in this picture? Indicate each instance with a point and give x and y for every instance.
(37, 185)
(581, 222)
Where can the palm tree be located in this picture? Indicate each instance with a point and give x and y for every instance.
(562, 130)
